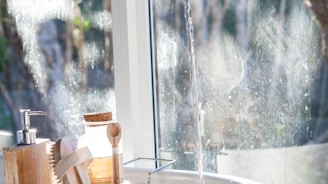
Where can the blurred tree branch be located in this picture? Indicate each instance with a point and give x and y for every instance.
(319, 9)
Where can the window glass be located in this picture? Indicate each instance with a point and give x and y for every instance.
(237, 86)
(58, 58)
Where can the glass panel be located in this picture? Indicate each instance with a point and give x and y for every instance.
(58, 58)
(238, 89)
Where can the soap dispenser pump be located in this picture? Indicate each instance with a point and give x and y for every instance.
(27, 135)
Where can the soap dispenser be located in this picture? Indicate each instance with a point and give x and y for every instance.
(27, 135)
(28, 161)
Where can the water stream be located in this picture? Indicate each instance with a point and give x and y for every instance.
(194, 88)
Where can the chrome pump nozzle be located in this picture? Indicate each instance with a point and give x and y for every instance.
(27, 135)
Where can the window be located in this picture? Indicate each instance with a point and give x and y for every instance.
(234, 86)
(221, 86)
(87, 79)
(59, 60)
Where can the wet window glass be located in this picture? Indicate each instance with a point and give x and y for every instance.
(240, 89)
(56, 56)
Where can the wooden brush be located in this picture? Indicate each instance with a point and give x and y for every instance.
(72, 165)
(52, 162)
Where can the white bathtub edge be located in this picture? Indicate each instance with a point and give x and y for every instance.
(191, 175)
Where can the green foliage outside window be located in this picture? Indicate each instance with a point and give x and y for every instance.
(4, 55)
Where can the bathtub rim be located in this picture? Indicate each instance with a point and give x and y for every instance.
(193, 174)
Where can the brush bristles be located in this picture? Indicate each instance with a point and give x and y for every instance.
(52, 162)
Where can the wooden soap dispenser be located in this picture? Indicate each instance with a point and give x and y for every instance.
(28, 161)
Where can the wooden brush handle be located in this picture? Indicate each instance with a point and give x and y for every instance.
(77, 157)
(117, 168)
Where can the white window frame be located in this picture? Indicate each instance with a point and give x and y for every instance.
(133, 78)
